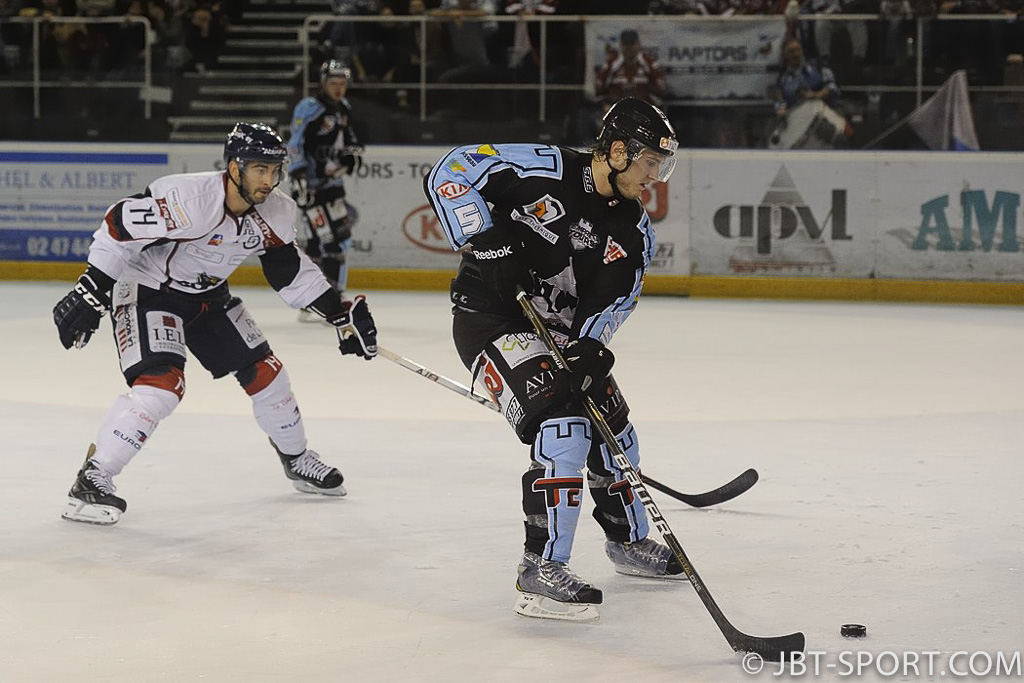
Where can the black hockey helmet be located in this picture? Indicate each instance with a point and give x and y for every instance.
(254, 142)
(641, 126)
(334, 68)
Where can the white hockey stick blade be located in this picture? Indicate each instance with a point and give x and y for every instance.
(540, 607)
(80, 511)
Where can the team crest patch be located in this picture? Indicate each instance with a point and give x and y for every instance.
(216, 240)
(537, 215)
(582, 235)
(613, 251)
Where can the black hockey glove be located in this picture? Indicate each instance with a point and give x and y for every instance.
(301, 193)
(78, 314)
(357, 333)
(590, 363)
(350, 159)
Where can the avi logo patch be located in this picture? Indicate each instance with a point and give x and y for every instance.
(537, 215)
(613, 251)
(216, 240)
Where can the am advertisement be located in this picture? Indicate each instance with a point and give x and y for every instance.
(951, 216)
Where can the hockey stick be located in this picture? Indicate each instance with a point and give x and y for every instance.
(772, 648)
(698, 500)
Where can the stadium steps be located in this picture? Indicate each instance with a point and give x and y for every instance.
(257, 76)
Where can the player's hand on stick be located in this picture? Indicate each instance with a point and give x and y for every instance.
(78, 314)
(357, 333)
(590, 362)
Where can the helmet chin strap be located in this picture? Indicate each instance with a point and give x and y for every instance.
(242, 191)
(613, 177)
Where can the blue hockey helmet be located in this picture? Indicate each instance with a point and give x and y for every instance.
(254, 142)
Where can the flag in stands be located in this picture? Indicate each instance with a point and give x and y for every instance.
(945, 120)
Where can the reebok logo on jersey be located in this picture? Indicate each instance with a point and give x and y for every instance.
(452, 190)
(613, 251)
(493, 253)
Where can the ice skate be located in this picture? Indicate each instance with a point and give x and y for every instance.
(646, 558)
(310, 475)
(91, 498)
(550, 590)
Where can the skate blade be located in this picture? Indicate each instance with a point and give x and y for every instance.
(647, 575)
(540, 607)
(305, 487)
(80, 511)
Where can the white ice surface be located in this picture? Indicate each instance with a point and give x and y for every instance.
(888, 439)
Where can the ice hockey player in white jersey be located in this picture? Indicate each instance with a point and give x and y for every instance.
(567, 228)
(159, 265)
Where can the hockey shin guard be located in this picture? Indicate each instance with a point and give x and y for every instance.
(553, 486)
(131, 420)
(274, 405)
(617, 510)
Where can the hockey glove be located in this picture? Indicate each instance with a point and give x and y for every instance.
(357, 333)
(78, 314)
(350, 159)
(301, 193)
(590, 362)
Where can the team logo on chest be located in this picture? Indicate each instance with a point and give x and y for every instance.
(582, 235)
(539, 214)
(248, 236)
(613, 251)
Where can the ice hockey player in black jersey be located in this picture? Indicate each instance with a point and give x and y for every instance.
(323, 149)
(569, 229)
(159, 264)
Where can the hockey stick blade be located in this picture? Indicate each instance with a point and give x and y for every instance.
(737, 486)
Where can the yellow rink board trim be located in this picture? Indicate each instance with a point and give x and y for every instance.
(703, 286)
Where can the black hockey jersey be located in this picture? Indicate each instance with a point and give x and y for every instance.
(588, 253)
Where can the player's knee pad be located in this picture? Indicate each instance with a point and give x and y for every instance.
(261, 374)
(158, 390)
(553, 486)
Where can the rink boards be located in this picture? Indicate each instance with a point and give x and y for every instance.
(848, 225)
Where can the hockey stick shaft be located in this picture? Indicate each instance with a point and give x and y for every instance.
(771, 648)
(698, 500)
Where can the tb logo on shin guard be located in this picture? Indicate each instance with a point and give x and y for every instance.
(552, 489)
(624, 490)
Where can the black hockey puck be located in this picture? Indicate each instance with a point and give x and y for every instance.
(853, 630)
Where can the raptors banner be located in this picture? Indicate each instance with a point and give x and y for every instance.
(705, 58)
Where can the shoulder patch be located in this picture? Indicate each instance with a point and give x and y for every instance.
(613, 251)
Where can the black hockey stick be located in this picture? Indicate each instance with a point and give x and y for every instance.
(698, 500)
(771, 648)
(702, 500)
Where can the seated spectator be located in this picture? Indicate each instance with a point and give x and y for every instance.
(801, 81)
(469, 41)
(205, 30)
(522, 39)
(630, 72)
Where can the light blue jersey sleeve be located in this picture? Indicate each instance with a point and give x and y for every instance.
(305, 111)
(468, 180)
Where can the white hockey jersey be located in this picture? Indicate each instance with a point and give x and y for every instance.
(179, 235)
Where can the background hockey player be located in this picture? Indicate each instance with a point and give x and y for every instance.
(568, 228)
(323, 148)
(159, 262)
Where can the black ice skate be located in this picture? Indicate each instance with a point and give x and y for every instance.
(91, 499)
(550, 590)
(646, 558)
(310, 475)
